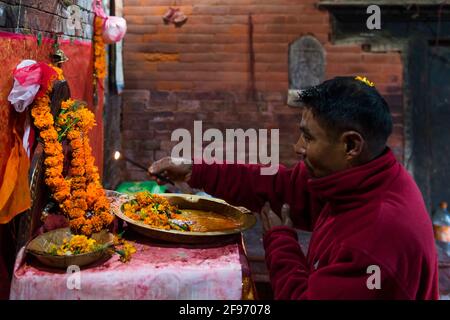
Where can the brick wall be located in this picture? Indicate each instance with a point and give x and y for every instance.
(201, 71)
(47, 17)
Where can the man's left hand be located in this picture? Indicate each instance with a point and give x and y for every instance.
(270, 219)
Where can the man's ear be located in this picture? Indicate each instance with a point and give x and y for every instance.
(354, 144)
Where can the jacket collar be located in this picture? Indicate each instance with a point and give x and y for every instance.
(354, 187)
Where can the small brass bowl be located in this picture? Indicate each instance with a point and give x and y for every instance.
(39, 247)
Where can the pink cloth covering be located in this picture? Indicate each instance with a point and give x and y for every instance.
(154, 272)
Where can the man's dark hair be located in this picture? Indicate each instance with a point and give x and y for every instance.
(344, 103)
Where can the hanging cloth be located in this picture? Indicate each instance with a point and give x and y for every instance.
(14, 189)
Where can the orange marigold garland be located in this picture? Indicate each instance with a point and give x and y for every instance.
(81, 196)
(90, 211)
(43, 120)
(99, 50)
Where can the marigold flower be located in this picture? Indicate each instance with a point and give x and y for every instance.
(76, 214)
(76, 144)
(67, 104)
(73, 134)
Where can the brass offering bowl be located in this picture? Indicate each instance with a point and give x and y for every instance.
(39, 247)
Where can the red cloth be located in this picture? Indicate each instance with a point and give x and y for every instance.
(372, 214)
(38, 73)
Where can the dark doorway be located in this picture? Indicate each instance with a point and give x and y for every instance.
(429, 75)
(420, 32)
(439, 124)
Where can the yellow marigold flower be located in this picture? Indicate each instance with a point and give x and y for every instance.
(51, 161)
(86, 229)
(67, 104)
(78, 244)
(73, 134)
(67, 204)
(77, 153)
(43, 122)
(52, 149)
(80, 204)
(62, 120)
(60, 196)
(59, 72)
(365, 80)
(81, 180)
(99, 205)
(77, 171)
(127, 251)
(79, 194)
(52, 171)
(107, 217)
(49, 135)
(77, 218)
(76, 144)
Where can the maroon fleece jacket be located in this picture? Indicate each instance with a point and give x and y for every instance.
(371, 217)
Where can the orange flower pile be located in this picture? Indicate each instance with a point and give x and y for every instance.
(81, 196)
(99, 50)
(155, 211)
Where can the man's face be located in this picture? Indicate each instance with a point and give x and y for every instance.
(322, 154)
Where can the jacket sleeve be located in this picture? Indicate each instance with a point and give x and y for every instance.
(346, 276)
(244, 185)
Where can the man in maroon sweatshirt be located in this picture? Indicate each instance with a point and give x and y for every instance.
(372, 237)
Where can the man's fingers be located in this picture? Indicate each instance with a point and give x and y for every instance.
(265, 222)
(164, 174)
(274, 219)
(264, 218)
(285, 212)
(160, 165)
(266, 206)
(180, 161)
(269, 218)
(286, 215)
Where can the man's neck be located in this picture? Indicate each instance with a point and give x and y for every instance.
(368, 156)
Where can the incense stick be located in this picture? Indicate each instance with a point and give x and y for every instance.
(157, 175)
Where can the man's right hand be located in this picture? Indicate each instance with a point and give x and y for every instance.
(175, 169)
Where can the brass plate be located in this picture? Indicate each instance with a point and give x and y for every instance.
(186, 201)
(39, 246)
